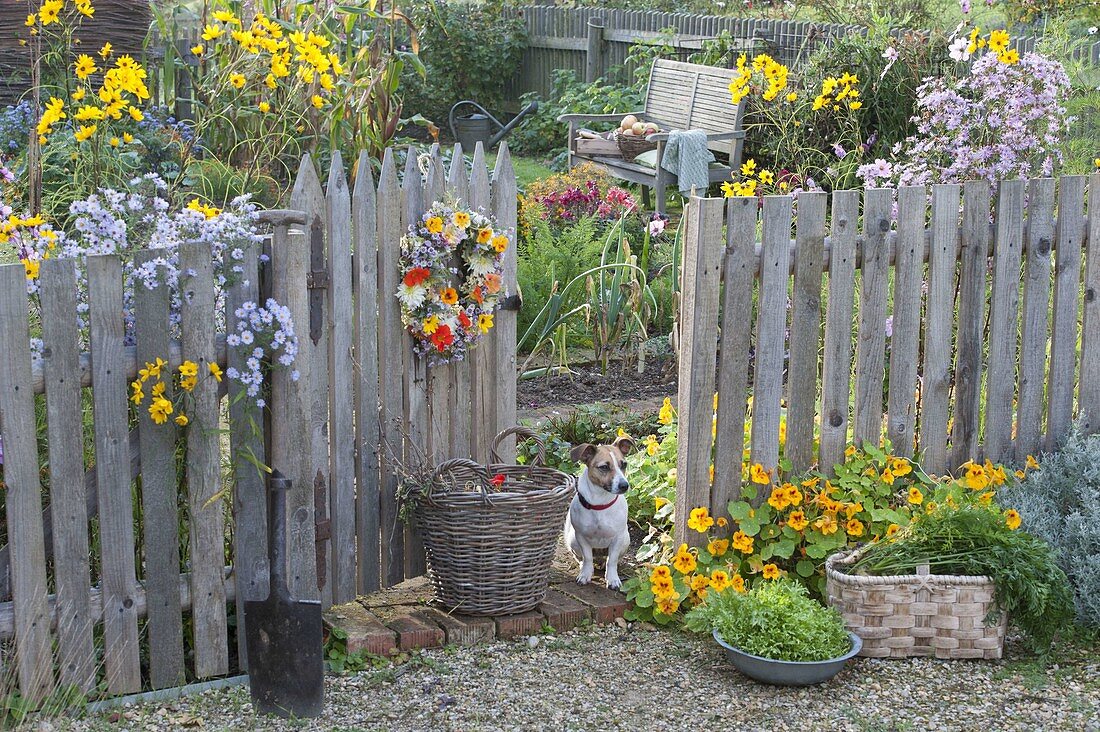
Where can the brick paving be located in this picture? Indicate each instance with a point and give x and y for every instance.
(401, 618)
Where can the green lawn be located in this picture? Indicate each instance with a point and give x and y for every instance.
(528, 170)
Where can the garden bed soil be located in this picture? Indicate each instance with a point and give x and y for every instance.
(588, 384)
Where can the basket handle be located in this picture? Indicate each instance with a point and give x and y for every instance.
(855, 555)
(525, 433)
(446, 467)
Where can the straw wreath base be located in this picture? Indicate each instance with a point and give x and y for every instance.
(922, 614)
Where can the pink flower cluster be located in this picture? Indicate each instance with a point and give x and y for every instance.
(999, 122)
(576, 202)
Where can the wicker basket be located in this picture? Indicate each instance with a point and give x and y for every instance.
(489, 547)
(919, 614)
(631, 146)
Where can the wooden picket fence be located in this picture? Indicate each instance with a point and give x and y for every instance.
(974, 372)
(88, 599)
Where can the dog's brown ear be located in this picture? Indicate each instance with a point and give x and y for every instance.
(582, 453)
(624, 444)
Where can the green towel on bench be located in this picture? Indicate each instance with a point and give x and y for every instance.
(688, 158)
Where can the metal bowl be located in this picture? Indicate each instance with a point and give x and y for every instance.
(788, 673)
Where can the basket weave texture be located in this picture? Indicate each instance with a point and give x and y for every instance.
(631, 146)
(901, 616)
(489, 547)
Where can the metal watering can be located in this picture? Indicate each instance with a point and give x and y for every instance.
(478, 126)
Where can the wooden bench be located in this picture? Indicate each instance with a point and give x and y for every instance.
(680, 96)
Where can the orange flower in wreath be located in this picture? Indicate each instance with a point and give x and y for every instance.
(449, 296)
(442, 337)
(416, 276)
(492, 283)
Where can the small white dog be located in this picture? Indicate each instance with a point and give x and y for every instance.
(597, 515)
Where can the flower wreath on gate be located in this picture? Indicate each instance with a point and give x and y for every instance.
(452, 273)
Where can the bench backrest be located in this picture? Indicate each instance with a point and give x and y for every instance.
(684, 96)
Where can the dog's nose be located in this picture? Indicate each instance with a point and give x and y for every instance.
(622, 486)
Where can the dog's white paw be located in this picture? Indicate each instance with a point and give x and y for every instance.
(613, 582)
(584, 577)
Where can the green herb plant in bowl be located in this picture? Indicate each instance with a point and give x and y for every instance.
(776, 633)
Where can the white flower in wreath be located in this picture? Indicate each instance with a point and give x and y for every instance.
(453, 234)
(412, 297)
(481, 266)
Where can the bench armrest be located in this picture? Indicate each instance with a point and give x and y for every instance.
(735, 135)
(594, 117)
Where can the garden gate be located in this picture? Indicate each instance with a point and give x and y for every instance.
(961, 368)
(362, 402)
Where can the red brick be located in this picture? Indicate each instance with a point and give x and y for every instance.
(562, 611)
(366, 633)
(512, 626)
(462, 630)
(604, 604)
(414, 631)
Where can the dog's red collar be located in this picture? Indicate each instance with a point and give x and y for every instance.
(596, 506)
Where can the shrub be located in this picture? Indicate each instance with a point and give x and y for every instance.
(468, 51)
(1060, 503)
(1005, 119)
(776, 620)
(541, 133)
(891, 69)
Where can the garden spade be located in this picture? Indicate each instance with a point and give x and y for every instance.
(285, 665)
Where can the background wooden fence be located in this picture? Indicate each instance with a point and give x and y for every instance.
(592, 41)
(129, 552)
(971, 340)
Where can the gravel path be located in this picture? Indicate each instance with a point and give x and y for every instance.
(610, 678)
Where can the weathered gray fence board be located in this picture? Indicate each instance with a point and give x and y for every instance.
(1000, 388)
(938, 326)
(391, 347)
(341, 430)
(738, 276)
(68, 507)
(974, 254)
(1036, 312)
(308, 557)
(1067, 289)
(905, 324)
(771, 323)
(836, 371)
(459, 403)
(159, 490)
(290, 450)
(1089, 394)
(23, 491)
(116, 513)
(698, 344)
(505, 211)
(368, 426)
(417, 386)
(246, 438)
(204, 487)
(441, 382)
(483, 376)
(805, 331)
(871, 344)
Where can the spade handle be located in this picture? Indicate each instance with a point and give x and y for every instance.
(277, 485)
